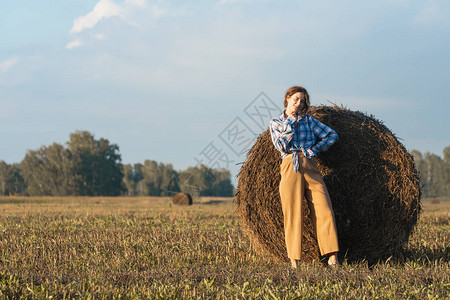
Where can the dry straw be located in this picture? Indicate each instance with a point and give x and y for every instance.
(370, 176)
(182, 199)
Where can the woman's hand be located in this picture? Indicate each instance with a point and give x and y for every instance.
(291, 109)
(295, 104)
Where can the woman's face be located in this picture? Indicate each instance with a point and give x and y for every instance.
(296, 102)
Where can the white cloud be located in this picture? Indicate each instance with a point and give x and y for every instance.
(206, 51)
(157, 11)
(222, 2)
(132, 12)
(432, 13)
(138, 3)
(100, 36)
(103, 9)
(6, 65)
(18, 69)
(74, 44)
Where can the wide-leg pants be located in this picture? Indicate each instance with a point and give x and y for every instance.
(306, 183)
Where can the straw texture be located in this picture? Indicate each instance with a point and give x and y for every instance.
(182, 199)
(371, 178)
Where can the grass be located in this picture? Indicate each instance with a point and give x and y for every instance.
(146, 248)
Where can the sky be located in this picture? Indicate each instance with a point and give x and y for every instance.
(189, 82)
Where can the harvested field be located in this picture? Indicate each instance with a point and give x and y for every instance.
(148, 248)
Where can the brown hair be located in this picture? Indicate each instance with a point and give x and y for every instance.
(295, 89)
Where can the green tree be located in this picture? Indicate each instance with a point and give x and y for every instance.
(96, 165)
(5, 177)
(17, 184)
(197, 181)
(222, 185)
(47, 171)
(128, 181)
(11, 181)
(435, 175)
(132, 177)
(418, 159)
(203, 181)
(155, 179)
(447, 169)
(87, 167)
(434, 172)
(447, 154)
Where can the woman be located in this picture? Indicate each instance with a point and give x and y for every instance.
(300, 137)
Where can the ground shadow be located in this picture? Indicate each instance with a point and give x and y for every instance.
(427, 255)
(213, 202)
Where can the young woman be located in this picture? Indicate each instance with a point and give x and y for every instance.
(300, 137)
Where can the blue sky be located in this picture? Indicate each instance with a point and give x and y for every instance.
(164, 79)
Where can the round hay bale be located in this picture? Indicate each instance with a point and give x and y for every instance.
(371, 178)
(182, 199)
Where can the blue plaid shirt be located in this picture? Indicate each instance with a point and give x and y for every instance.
(304, 133)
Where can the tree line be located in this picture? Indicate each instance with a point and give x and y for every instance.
(434, 173)
(86, 166)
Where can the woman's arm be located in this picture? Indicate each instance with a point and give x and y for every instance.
(282, 132)
(325, 135)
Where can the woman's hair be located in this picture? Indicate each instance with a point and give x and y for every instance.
(295, 89)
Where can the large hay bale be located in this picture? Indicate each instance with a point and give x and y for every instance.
(371, 178)
(182, 199)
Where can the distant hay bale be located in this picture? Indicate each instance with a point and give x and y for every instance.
(182, 199)
(435, 201)
(371, 178)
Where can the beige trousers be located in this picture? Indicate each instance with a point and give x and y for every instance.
(306, 183)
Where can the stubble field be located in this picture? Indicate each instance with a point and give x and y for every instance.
(146, 248)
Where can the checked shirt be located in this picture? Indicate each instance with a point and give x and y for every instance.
(304, 133)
